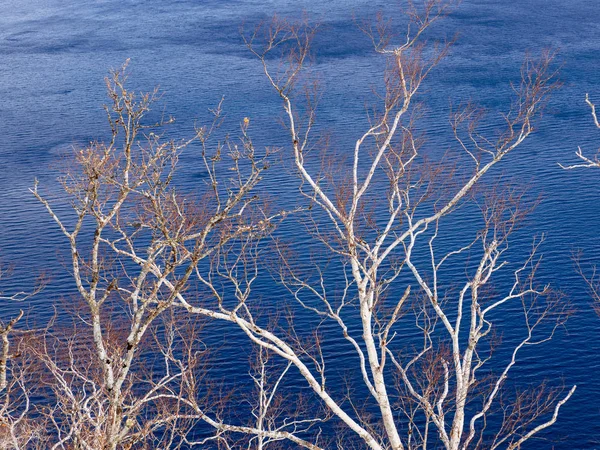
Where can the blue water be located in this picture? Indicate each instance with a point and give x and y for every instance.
(54, 55)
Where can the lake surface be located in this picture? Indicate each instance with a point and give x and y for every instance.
(54, 55)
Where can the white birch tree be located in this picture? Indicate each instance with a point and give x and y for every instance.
(139, 249)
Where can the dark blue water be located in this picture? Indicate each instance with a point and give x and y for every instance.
(54, 55)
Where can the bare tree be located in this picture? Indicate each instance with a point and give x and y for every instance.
(587, 161)
(18, 427)
(135, 240)
(377, 252)
(147, 258)
(589, 274)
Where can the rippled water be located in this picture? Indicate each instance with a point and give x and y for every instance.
(54, 55)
